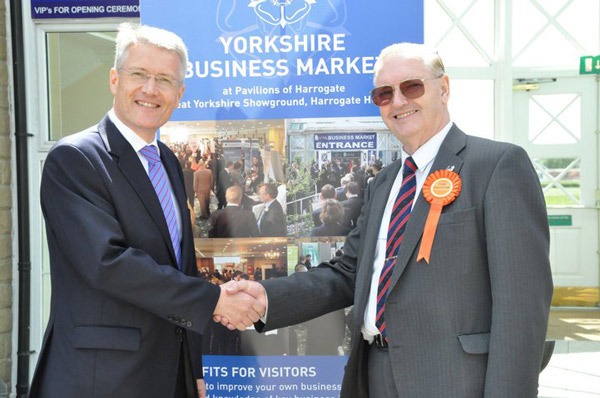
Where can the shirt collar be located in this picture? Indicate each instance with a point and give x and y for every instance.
(134, 140)
(428, 151)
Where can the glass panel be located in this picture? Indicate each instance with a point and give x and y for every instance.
(473, 97)
(462, 31)
(560, 179)
(571, 27)
(555, 119)
(78, 73)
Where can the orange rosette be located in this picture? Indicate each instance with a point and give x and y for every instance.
(439, 189)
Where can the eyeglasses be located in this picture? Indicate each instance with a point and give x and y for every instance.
(411, 89)
(140, 77)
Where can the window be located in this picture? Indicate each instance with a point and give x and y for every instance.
(78, 71)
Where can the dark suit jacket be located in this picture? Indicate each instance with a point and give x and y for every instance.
(273, 221)
(223, 182)
(233, 222)
(188, 179)
(316, 216)
(472, 322)
(340, 194)
(352, 207)
(331, 229)
(120, 308)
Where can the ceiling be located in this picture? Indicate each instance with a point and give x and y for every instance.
(239, 247)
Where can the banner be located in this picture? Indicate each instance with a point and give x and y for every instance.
(247, 377)
(259, 59)
(276, 93)
(47, 9)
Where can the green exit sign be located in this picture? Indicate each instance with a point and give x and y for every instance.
(560, 220)
(589, 64)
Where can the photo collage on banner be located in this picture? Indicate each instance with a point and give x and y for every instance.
(277, 117)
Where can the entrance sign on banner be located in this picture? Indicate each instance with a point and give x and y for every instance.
(340, 141)
(259, 59)
(59, 9)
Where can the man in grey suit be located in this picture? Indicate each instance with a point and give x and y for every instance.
(470, 322)
(127, 306)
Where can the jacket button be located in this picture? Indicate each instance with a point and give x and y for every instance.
(189, 324)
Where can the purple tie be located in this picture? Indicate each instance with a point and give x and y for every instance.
(158, 176)
(398, 220)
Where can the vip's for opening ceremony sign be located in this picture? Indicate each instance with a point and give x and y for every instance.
(290, 60)
(269, 59)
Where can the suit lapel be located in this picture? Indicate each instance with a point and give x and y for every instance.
(378, 199)
(446, 158)
(176, 179)
(131, 167)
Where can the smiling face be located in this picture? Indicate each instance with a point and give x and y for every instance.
(414, 121)
(145, 107)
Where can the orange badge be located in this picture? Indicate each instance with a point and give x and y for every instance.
(440, 189)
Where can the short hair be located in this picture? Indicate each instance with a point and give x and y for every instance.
(270, 189)
(332, 211)
(328, 191)
(300, 268)
(352, 188)
(410, 50)
(234, 194)
(129, 35)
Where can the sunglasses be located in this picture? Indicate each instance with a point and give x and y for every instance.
(411, 89)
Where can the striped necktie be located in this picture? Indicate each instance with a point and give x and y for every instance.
(158, 176)
(398, 220)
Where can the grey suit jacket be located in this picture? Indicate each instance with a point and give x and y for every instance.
(120, 309)
(472, 322)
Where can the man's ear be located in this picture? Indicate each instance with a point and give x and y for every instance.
(445, 88)
(113, 80)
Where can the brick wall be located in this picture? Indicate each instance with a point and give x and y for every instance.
(6, 228)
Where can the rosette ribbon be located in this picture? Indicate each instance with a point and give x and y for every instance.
(439, 189)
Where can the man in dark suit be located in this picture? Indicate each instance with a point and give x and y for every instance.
(233, 221)
(466, 319)
(271, 220)
(188, 180)
(224, 181)
(127, 307)
(352, 205)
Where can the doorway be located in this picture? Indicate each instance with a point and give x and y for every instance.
(555, 120)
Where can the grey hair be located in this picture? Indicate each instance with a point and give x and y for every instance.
(410, 50)
(130, 34)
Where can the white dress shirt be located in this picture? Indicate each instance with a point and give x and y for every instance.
(138, 143)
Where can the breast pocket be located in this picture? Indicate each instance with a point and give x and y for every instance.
(107, 337)
(457, 239)
(458, 217)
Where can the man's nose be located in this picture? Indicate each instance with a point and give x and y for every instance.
(150, 86)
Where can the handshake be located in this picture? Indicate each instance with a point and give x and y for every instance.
(241, 304)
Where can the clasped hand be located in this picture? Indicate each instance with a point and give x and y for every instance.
(240, 304)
